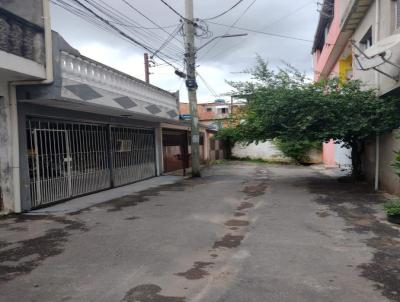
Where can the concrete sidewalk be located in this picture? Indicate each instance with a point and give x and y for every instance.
(80, 203)
(243, 232)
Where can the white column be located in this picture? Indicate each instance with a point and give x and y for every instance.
(159, 151)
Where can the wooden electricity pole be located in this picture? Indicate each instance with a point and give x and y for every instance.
(191, 84)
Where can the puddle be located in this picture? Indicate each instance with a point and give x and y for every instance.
(235, 222)
(197, 271)
(229, 241)
(149, 293)
(244, 205)
(29, 254)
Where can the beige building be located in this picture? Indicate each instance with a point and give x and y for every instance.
(372, 22)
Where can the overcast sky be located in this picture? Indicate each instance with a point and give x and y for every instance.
(220, 61)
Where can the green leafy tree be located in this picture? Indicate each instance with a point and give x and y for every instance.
(287, 106)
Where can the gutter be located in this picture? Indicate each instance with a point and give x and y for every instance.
(378, 87)
(14, 108)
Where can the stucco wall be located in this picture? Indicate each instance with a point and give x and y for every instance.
(30, 10)
(388, 180)
(266, 151)
(386, 28)
(22, 29)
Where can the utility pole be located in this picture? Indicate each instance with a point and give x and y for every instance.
(146, 68)
(191, 84)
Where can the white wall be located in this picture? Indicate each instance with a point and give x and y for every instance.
(266, 151)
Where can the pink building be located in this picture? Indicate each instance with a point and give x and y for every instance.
(332, 58)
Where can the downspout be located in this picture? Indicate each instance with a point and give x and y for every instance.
(378, 87)
(14, 108)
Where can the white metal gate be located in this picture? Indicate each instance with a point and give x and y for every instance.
(68, 159)
(133, 155)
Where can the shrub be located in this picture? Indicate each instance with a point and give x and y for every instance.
(392, 207)
(297, 150)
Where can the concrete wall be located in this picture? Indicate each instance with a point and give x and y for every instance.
(22, 29)
(388, 180)
(30, 10)
(266, 151)
(388, 143)
(386, 28)
(6, 183)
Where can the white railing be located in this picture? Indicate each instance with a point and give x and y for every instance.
(90, 72)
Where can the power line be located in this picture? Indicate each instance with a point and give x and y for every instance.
(224, 12)
(264, 33)
(123, 34)
(175, 11)
(208, 86)
(116, 15)
(147, 18)
(296, 10)
(230, 27)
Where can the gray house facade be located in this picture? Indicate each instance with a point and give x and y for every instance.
(91, 129)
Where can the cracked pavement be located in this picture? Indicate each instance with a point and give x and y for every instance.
(243, 232)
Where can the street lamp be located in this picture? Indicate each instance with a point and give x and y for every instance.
(220, 37)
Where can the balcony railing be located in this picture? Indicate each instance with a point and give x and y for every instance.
(21, 38)
(95, 74)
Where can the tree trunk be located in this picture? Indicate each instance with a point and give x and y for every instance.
(357, 149)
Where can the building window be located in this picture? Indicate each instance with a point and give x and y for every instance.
(209, 109)
(224, 110)
(366, 41)
(397, 14)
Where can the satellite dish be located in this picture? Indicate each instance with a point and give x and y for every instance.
(364, 63)
(383, 46)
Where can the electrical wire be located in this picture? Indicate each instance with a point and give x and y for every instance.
(208, 86)
(230, 27)
(224, 12)
(296, 10)
(120, 32)
(175, 11)
(146, 36)
(264, 33)
(150, 20)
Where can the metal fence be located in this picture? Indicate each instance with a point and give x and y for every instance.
(68, 159)
(133, 154)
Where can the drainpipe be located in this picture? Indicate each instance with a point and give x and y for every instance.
(377, 82)
(14, 108)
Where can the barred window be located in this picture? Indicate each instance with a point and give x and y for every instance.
(397, 13)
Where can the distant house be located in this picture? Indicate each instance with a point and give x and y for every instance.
(214, 115)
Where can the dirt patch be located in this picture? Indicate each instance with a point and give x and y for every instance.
(244, 205)
(323, 214)
(384, 268)
(239, 214)
(119, 204)
(258, 185)
(149, 293)
(28, 254)
(229, 241)
(132, 218)
(236, 222)
(197, 271)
